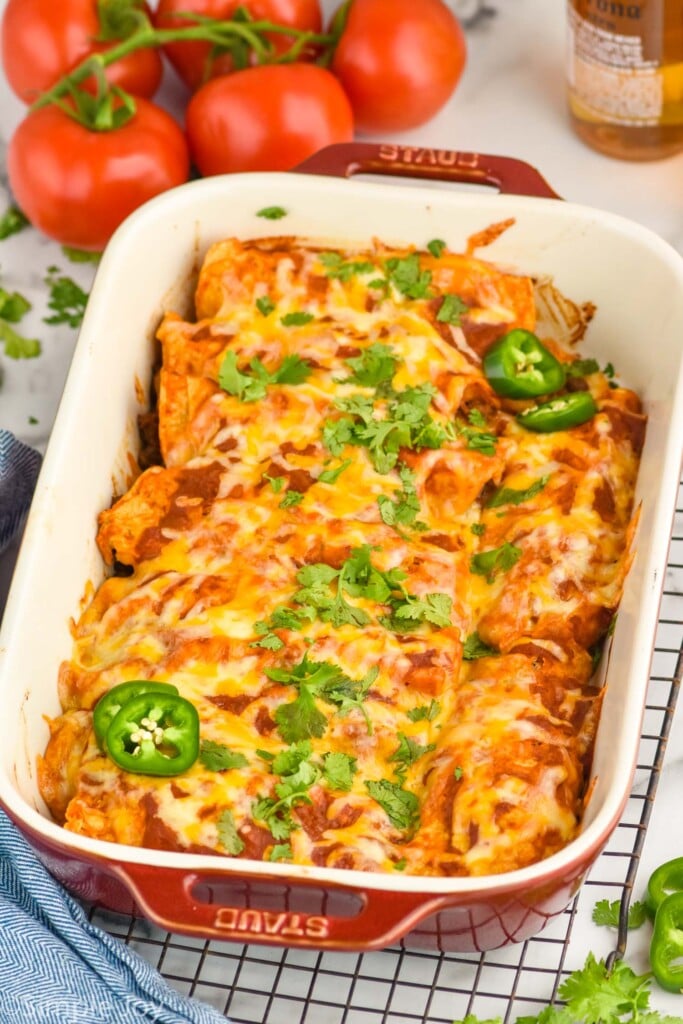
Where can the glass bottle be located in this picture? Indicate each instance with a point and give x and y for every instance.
(625, 76)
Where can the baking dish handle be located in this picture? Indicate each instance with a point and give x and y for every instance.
(375, 919)
(507, 174)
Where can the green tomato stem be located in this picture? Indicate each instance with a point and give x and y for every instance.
(218, 33)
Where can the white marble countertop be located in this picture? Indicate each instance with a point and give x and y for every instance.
(510, 101)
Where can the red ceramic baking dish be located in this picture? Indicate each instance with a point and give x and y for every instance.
(636, 283)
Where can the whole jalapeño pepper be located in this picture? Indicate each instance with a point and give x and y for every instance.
(110, 703)
(154, 733)
(666, 946)
(518, 365)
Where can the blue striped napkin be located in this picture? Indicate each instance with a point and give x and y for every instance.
(19, 467)
(58, 968)
(55, 966)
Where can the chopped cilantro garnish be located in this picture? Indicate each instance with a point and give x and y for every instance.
(581, 367)
(330, 476)
(336, 266)
(404, 509)
(227, 833)
(478, 529)
(513, 496)
(374, 367)
(301, 718)
(425, 712)
(408, 752)
(400, 805)
(265, 305)
(403, 422)
(291, 499)
(272, 212)
(339, 770)
(276, 482)
(408, 278)
(477, 439)
(408, 611)
(297, 775)
(67, 299)
(436, 247)
(12, 221)
(250, 387)
(219, 758)
(280, 851)
(269, 642)
(474, 647)
(497, 560)
(457, 772)
(400, 865)
(451, 310)
(296, 319)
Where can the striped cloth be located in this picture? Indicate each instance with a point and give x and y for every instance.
(55, 966)
(58, 968)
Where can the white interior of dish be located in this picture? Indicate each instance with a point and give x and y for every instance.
(634, 279)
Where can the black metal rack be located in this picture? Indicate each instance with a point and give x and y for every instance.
(262, 985)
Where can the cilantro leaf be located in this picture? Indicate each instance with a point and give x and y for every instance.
(582, 367)
(269, 642)
(227, 833)
(408, 752)
(272, 212)
(67, 299)
(451, 310)
(280, 851)
(80, 255)
(475, 438)
(436, 247)
(291, 499)
(375, 366)
(330, 476)
(408, 611)
(400, 805)
(297, 775)
(251, 387)
(490, 563)
(336, 267)
(276, 482)
(301, 719)
(12, 221)
(607, 913)
(595, 995)
(13, 306)
(478, 529)
(425, 712)
(408, 278)
(265, 305)
(219, 758)
(405, 508)
(514, 496)
(296, 319)
(474, 647)
(338, 770)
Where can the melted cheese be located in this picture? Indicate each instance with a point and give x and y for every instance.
(471, 764)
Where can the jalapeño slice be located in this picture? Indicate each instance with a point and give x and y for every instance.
(110, 703)
(560, 413)
(519, 365)
(154, 734)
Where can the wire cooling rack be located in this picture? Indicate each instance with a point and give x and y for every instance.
(263, 985)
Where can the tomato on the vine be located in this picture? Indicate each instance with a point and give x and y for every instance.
(42, 40)
(399, 61)
(266, 118)
(193, 60)
(76, 185)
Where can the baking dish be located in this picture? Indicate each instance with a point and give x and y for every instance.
(636, 283)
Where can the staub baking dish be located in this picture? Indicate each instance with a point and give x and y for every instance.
(636, 283)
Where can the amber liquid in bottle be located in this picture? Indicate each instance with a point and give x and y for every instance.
(625, 76)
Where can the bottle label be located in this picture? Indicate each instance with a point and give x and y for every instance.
(614, 57)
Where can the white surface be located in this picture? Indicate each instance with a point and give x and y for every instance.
(510, 101)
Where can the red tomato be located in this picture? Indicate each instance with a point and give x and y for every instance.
(44, 39)
(399, 61)
(266, 118)
(77, 185)
(193, 60)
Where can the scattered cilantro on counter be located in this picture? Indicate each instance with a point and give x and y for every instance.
(67, 299)
(13, 308)
(606, 912)
(12, 221)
